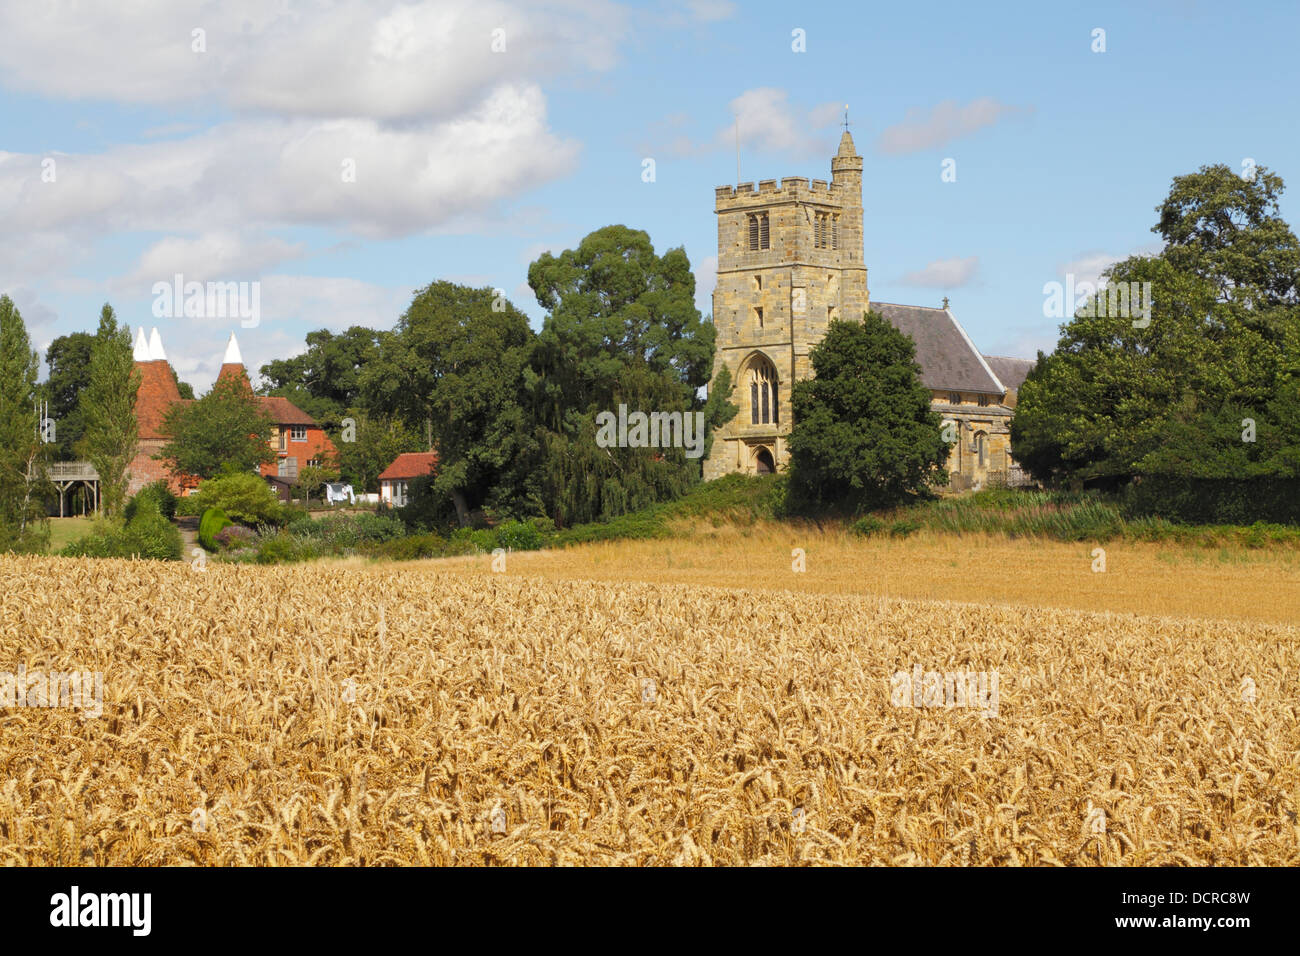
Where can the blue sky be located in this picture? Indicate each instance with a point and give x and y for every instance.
(224, 163)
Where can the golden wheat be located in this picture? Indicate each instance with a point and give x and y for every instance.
(437, 713)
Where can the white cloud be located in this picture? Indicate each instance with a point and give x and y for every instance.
(213, 255)
(944, 273)
(272, 173)
(946, 121)
(768, 123)
(356, 58)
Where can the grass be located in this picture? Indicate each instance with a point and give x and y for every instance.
(64, 531)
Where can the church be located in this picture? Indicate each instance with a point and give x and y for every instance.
(790, 259)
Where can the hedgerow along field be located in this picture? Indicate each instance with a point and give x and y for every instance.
(377, 714)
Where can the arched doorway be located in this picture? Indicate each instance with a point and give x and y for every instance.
(763, 462)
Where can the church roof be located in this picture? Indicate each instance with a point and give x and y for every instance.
(1011, 372)
(949, 360)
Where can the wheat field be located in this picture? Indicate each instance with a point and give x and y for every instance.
(439, 713)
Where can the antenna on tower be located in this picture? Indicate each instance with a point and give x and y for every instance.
(737, 149)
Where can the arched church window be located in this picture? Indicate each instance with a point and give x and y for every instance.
(764, 396)
(981, 449)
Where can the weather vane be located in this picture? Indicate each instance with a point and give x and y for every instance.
(846, 117)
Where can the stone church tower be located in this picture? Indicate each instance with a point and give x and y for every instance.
(789, 261)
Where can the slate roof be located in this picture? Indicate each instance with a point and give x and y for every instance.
(410, 464)
(1011, 372)
(949, 360)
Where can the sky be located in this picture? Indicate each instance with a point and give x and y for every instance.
(344, 154)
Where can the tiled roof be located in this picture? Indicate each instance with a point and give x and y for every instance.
(949, 360)
(411, 464)
(285, 412)
(1011, 372)
(156, 394)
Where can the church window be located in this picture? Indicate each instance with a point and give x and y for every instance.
(759, 236)
(758, 314)
(981, 449)
(954, 398)
(822, 230)
(764, 397)
(835, 232)
(984, 401)
(758, 283)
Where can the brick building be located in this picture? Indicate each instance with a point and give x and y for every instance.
(297, 439)
(790, 260)
(394, 481)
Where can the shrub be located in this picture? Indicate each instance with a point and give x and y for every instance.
(188, 506)
(233, 537)
(867, 524)
(409, 548)
(374, 527)
(244, 497)
(213, 520)
(158, 493)
(147, 535)
(518, 536)
(904, 527)
(276, 549)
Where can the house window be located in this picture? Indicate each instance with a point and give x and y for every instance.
(287, 468)
(759, 237)
(399, 494)
(284, 439)
(954, 398)
(764, 397)
(298, 432)
(313, 462)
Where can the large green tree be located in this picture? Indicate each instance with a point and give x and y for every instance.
(1206, 389)
(864, 432)
(107, 406)
(455, 362)
(622, 328)
(325, 380)
(68, 358)
(22, 453)
(225, 430)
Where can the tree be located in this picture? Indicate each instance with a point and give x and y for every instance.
(108, 410)
(622, 329)
(456, 361)
(369, 446)
(311, 478)
(69, 360)
(226, 429)
(1171, 399)
(23, 526)
(864, 432)
(326, 378)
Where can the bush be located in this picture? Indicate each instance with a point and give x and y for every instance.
(159, 494)
(213, 520)
(518, 536)
(244, 497)
(147, 535)
(188, 506)
(409, 548)
(904, 527)
(276, 549)
(233, 537)
(867, 524)
(373, 527)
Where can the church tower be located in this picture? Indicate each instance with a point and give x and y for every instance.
(790, 259)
